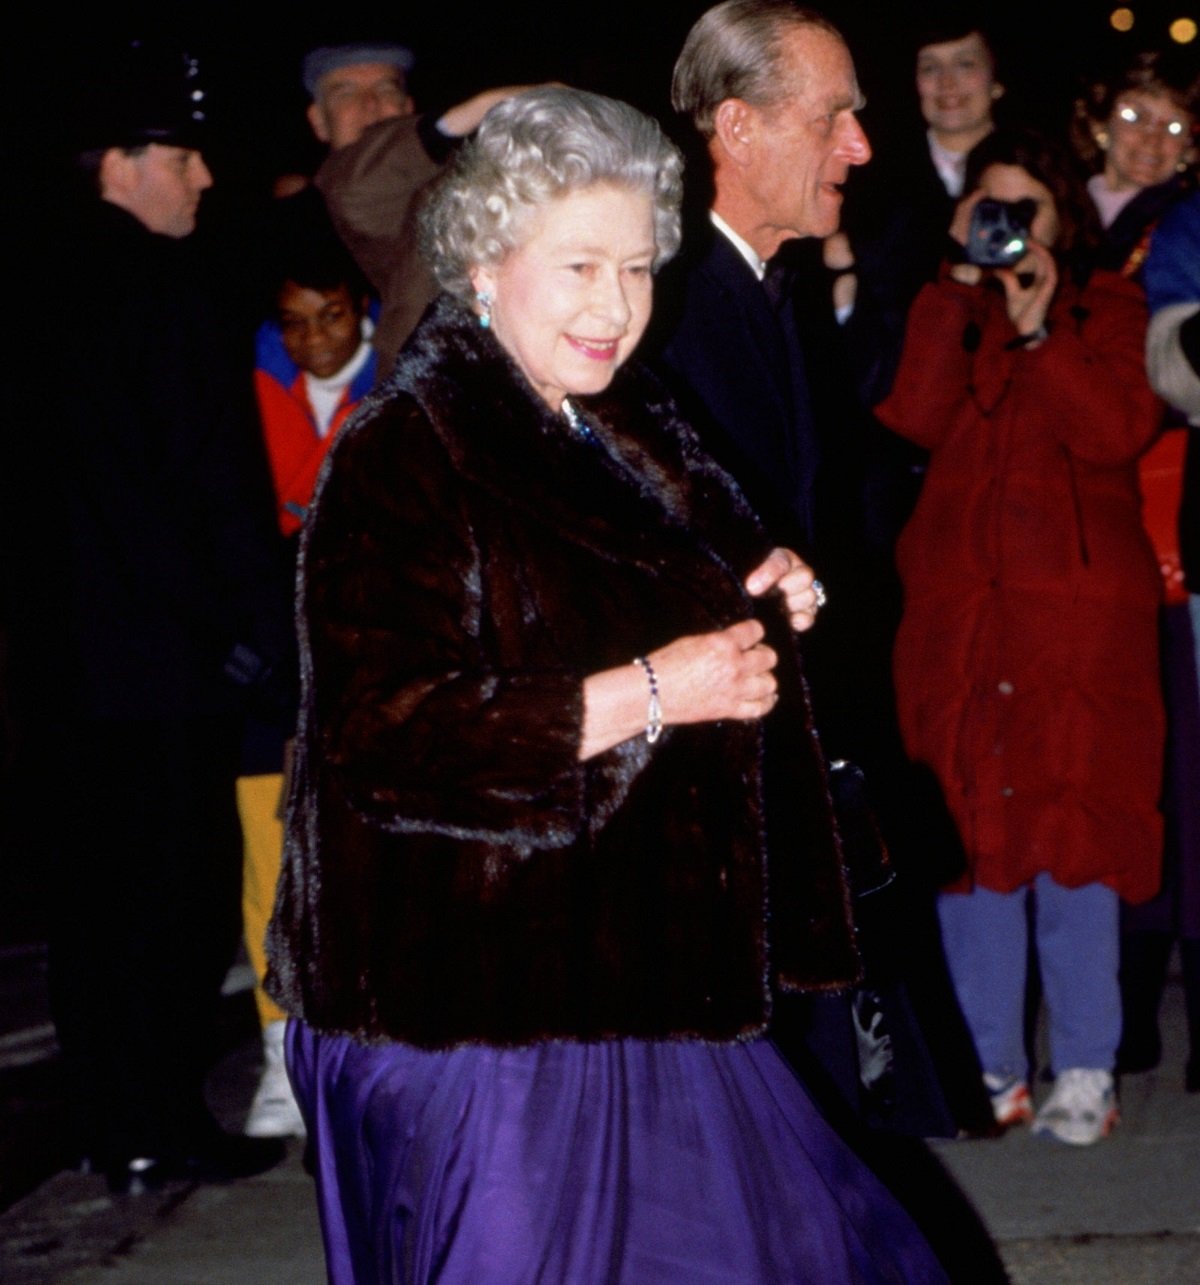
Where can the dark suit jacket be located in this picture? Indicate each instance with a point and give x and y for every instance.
(157, 587)
(735, 366)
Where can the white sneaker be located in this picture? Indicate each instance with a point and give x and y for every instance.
(1009, 1094)
(1081, 1108)
(274, 1113)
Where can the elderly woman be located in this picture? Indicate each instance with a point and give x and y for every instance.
(523, 922)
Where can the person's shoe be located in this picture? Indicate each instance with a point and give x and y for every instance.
(274, 1113)
(215, 1157)
(1011, 1103)
(1081, 1108)
(136, 1176)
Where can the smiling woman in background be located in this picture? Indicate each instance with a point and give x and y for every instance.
(1136, 130)
(523, 921)
(1140, 129)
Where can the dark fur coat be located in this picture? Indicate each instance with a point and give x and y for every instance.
(452, 873)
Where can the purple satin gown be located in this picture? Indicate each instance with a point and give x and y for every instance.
(624, 1161)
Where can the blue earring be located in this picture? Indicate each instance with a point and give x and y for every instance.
(484, 300)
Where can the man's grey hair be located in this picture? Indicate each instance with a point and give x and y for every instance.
(735, 51)
(530, 149)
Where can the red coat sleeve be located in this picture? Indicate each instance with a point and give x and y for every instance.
(932, 380)
(1092, 371)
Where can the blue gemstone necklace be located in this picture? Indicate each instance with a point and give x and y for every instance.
(579, 426)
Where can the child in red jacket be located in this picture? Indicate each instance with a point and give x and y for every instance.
(313, 365)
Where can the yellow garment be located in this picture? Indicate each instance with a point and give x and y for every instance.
(260, 806)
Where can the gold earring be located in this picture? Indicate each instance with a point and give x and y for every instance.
(1102, 139)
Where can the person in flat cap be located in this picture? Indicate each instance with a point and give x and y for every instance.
(353, 86)
(349, 86)
(156, 616)
(381, 156)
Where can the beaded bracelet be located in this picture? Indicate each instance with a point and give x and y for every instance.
(654, 718)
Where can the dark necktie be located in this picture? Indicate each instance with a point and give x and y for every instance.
(777, 281)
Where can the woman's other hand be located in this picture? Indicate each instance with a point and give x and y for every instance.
(702, 678)
(788, 573)
(1029, 287)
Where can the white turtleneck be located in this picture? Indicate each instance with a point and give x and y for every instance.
(325, 395)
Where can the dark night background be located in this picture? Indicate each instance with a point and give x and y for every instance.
(250, 60)
(626, 48)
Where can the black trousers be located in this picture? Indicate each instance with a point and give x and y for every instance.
(145, 920)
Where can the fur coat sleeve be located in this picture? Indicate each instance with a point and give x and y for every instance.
(487, 741)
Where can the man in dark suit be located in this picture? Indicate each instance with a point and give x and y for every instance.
(160, 604)
(771, 91)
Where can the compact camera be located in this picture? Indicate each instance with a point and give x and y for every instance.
(999, 233)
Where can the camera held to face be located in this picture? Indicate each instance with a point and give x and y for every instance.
(999, 233)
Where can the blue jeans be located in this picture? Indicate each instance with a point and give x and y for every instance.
(1075, 932)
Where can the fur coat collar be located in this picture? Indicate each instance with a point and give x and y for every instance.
(643, 481)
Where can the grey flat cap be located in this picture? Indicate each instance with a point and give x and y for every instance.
(320, 62)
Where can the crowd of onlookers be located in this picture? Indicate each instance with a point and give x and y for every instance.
(1002, 509)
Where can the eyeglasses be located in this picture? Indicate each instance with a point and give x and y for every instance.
(1141, 119)
(389, 92)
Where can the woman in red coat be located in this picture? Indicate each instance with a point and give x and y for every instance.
(1026, 662)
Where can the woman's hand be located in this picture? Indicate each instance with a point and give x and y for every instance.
(1029, 287)
(726, 674)
(701, 678)
(799, 588)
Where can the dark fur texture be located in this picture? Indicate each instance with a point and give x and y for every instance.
(453, 874)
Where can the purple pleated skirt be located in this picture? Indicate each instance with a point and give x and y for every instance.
(621, 1161)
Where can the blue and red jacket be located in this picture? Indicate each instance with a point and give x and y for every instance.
(295, 449)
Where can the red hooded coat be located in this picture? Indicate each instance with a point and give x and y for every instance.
(1027, 658)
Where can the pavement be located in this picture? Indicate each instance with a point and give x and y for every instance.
(1125, 1212)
